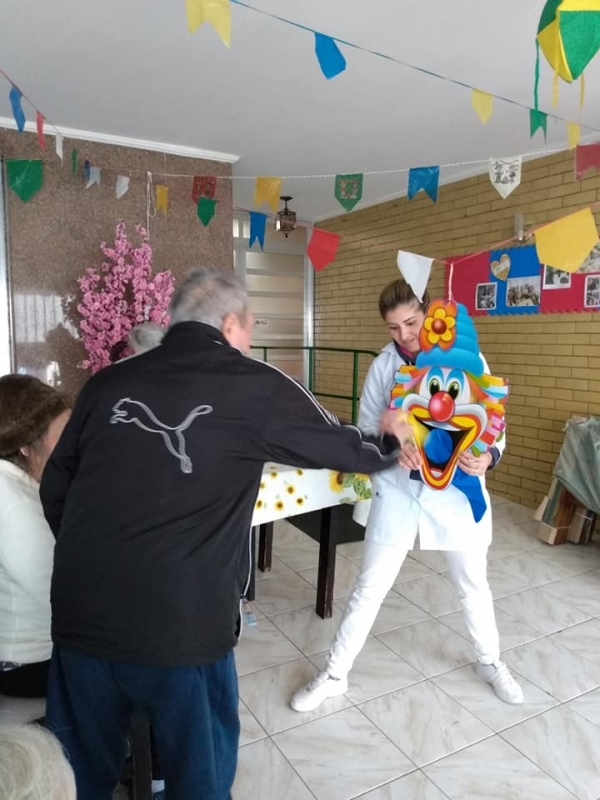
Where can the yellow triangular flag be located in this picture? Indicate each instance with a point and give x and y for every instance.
(216, 12)
(483, 103)
(566, 243)
(574, 133)
(162, 199)
(267, 190)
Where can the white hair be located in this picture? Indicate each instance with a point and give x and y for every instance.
(145, 337)
(33, 765)
(208, 295)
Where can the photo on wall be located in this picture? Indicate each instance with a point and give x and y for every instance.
(522, 292)
(485, 296)
(556, 278)
(592, 262)
(592, 291)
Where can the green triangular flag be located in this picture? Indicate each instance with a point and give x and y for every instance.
(206, 209)
(25, 177)
(74, 155)
(538, 120)
(348, 190)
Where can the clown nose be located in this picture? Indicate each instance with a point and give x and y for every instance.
(441, 407)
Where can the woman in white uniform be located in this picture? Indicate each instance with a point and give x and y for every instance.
(404, 506)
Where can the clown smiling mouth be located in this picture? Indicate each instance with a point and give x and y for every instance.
(456, 436)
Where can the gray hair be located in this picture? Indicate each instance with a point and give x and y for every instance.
(208, 295)
(145, 337)
(33, 765)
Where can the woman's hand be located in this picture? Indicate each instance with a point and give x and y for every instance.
(474, 465)
(410, 458)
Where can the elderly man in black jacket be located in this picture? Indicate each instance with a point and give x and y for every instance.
(150, 493)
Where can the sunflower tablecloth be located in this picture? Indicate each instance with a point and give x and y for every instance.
(286, 491)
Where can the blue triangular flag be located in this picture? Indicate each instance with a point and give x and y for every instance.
(87, 169)
(426, 178)
(17, 108)
(331, 61)
(258, 224)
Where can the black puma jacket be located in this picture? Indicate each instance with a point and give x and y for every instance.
(151, 489)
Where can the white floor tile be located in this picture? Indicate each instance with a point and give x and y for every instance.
(429, 647)
(264, 774)
(261, 646)
(542, 611)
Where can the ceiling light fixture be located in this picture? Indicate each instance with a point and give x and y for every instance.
(286, 220)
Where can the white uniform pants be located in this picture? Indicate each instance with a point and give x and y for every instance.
(380, 566)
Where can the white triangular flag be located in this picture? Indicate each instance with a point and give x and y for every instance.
(122, 186)
(94, 177)
(59, 146)
(415, 271)
(505, 174)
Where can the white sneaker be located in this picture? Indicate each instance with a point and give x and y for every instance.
(502, 682)
(320, 688)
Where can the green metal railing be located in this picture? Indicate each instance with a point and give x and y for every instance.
(354, 397)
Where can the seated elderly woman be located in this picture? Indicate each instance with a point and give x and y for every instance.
(32, 417)
(33, 765)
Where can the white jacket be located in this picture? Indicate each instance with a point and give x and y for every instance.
(402, 507)
(26, 556)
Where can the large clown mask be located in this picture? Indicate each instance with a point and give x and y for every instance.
(452, 405)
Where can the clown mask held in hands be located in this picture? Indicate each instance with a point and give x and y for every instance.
(451, 403)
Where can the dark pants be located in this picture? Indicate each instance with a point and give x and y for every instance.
(30, 680)
(193, 713)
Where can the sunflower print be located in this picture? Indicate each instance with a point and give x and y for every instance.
(279, 505)
(336, 481)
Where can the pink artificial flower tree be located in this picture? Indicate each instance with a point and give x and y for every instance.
(119, 295)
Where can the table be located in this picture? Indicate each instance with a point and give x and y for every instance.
(287, 491)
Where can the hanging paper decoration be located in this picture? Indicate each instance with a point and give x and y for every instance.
(329, 56)
(267, 190)
(25, 177)
(203, 186)
(348, 190)
(574, 134)
(93, 175)
(425, 178)
(206, 210)
(322, 248)
(566, 243)
(538, 120)
(587, 156)
(161, 199)
(258, 224)
(39, 124)
(415, 270)
(122, 186)
(505, 174)
(17, 109)
(74, 157)
(451, 403)
(483, 103)
(59, 146)
(569, 37)
(215, 12)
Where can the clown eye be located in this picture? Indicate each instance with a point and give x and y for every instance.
(454, 389)
(434, 386)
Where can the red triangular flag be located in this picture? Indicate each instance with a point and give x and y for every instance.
(586, 157)
(39, 121)
(322, 248)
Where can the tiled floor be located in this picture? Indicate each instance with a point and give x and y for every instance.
(416, 723)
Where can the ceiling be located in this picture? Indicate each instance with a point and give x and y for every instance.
(132, 69)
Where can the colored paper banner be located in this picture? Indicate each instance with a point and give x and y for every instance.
(322, 248)
(122, 186)
(161, 199)
(505, 174)
(329, 56)
(586, 157)
(258, 224)
(425, 178)
(574, 134)
(93, 176)
(59, 146)
(17, 109)
(74, 157)
(206, 210)
(538, 120)
(483, 103)
(39, 124)
(348, 190)
(25, 177)
(216, 12)
(415, 270)
(566, 243)
(203, 186)
(267, 190)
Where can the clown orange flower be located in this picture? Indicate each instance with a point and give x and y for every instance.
(439, 327)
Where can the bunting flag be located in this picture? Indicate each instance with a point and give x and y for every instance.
(17, 109)
(538, 120)
(87, 170)
(59, 146)
(483, 103)
(505, 174)
(267, 190)
(574, 134)
(122, 185)
(415, 270)
(322, 248)
(587, 156)
(215, 12)
(425, 178)
(203, 186)
(25, 177)
(348, 190)
(206, 210)
(74, 157)
(258, 225)
(93, 175)
(329, 56)
(161, 199)
(566, 243)
(39, 124)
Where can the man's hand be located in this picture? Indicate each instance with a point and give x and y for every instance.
(396, 424)
(410, 458)
(474, 465)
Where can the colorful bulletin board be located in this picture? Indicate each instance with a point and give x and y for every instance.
(512, 281)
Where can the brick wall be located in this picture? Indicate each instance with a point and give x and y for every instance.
(552, 361)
